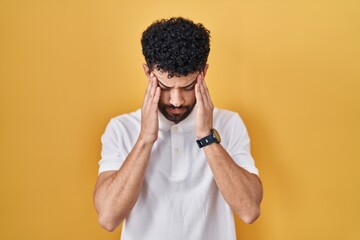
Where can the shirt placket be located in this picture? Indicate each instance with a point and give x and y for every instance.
(177, 147)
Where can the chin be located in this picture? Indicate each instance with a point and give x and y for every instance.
(176, 118)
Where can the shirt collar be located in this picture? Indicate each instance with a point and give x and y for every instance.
(186, 125)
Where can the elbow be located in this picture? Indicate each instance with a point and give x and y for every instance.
(109, 228)
(108, 218)
(251, 216)
(107, 223)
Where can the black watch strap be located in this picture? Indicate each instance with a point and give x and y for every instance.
(213, 137)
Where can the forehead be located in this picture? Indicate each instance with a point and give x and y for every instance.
(175, 81)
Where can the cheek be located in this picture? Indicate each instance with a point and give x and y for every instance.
(164, 96)
(189, 97)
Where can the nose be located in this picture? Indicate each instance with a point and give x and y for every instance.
(176, 98)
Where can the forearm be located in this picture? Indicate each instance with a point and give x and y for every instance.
(116, 194)
(241, 189)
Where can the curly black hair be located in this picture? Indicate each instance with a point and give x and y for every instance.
(177, 46)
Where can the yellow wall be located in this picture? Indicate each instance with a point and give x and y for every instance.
(291, 68)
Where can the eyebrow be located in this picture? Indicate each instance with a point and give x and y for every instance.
(163, 85)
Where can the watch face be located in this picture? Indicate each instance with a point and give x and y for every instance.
(216, 135)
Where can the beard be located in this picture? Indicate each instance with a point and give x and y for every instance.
(175, 114)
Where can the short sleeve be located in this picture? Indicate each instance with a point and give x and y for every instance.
(239, 145)
(112, 155)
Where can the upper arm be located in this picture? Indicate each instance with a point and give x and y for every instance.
(238, 144)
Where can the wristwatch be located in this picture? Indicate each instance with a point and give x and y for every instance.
(213, 137)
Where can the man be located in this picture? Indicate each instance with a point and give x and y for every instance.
(164, 169)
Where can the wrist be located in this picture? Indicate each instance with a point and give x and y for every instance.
(212, 137)
(147, 140)
(204, 133)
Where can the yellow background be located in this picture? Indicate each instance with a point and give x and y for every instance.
(290, 68)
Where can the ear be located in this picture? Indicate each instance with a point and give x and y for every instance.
(146, 70)
(205, 69)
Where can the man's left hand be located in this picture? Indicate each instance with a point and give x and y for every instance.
(205, 108)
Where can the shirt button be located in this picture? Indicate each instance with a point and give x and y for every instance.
(177, 150)
(175, 128)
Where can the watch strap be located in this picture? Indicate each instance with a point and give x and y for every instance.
(207, 140)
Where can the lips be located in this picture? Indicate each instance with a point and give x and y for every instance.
(176, 110)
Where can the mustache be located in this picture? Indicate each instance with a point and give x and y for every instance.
(173, 107)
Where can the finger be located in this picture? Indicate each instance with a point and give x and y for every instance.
(153, 87)
(204, 94)
(149, 83)
(148, 89)
(198, 96)
(206, 90)
(151, 94)
(208, 95)
(146, 94)
(156, 97)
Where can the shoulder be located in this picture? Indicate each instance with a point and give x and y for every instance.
(125, 122)
(132, 118)
(228, 121)
(225, 115)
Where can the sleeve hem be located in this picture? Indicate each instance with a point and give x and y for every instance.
(109, 165)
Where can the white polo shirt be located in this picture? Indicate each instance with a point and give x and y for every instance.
(179, 199)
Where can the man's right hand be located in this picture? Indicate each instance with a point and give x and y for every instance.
(116, 192)
(149, 112)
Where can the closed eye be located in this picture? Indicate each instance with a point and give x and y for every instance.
(191, 87)
(162, 87)
(186, 88)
